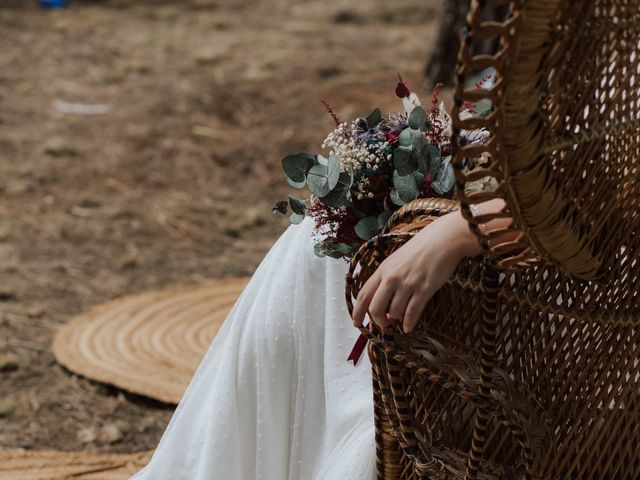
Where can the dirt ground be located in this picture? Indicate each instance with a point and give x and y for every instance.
(173, 183)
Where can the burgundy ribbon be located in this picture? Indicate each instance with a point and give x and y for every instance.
(357, 349)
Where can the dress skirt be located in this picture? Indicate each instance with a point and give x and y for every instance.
(274, 397)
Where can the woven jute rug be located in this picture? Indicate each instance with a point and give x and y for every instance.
(150, 343)
(50, 465)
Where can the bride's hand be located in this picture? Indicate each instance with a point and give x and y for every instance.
(403, 283)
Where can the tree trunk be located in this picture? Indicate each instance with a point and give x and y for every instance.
(441, 65)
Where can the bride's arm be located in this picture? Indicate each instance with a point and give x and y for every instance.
(404, 282)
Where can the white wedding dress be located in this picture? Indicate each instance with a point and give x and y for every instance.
(275, 398)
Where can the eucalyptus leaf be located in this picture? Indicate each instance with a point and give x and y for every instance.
(296, 218)
(445, 177)
(344, 248)
(418, 140)
(395, 198)
(367, 228)
(280, 207)
(405, 186)
(318, 180)
(297, 185)
(357, 213)
(322, 178)
(404, 160)
(434, 160)
(328, 247)
(333, 171)
(423, 162)
(429, 160)
(417, 118)
(374, 118)
(419, 176)
(297, 206)
(383, 217)
(318, 250)
(296, 168)
(404, 139)
(339, 196)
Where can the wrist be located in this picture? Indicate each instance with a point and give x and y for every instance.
(466, 241)
(452, 234)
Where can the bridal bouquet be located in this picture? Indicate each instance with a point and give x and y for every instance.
(375, 165)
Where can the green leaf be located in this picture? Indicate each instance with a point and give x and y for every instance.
(395, 198)
(445, 177)
(374, 118)
(367, 228)
(429, 160)
(423, 163)
(296, 218)
(435, 159)
(404, 161)
(280, 207)
(419, 176)
(338, 196)
(297, 185)
(318, 180)
(384, 217)
(318, 250)
(417, 118)
(297, 206)
(333, 166)
(406, 186)
(404, 139)
(329, 247)
(323, 178)
(358, 214)
(296, 168)
(418, 140)
(343, 248)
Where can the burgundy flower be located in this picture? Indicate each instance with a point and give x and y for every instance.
(391, 138)
(402, 90)
(426, 190)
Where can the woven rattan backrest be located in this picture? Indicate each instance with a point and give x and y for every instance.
(565, 125)
(531, 369)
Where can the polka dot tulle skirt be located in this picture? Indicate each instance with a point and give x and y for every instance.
(274, 397)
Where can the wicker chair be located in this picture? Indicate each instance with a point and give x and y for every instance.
(526, 364)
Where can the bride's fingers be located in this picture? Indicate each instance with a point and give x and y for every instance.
(413, 312)
(380, 303)
(399, 303)
(364, 299)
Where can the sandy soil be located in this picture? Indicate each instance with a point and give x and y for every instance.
(174, 184)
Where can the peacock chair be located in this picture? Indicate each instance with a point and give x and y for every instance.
(527, 363)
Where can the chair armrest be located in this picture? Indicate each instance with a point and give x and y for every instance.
(418, 213)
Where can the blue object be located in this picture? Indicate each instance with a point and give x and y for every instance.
(53, 3)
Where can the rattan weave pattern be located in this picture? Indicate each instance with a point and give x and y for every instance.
(526, 364)
(565, 129)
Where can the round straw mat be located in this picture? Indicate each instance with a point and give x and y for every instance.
(151, 343)
(50, 465)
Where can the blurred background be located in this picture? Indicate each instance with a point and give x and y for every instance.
(140, 147)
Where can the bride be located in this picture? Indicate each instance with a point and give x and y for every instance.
(274, 397)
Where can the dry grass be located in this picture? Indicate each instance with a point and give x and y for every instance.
(174, 185)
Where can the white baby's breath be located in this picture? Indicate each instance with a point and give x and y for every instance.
(353, 155)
